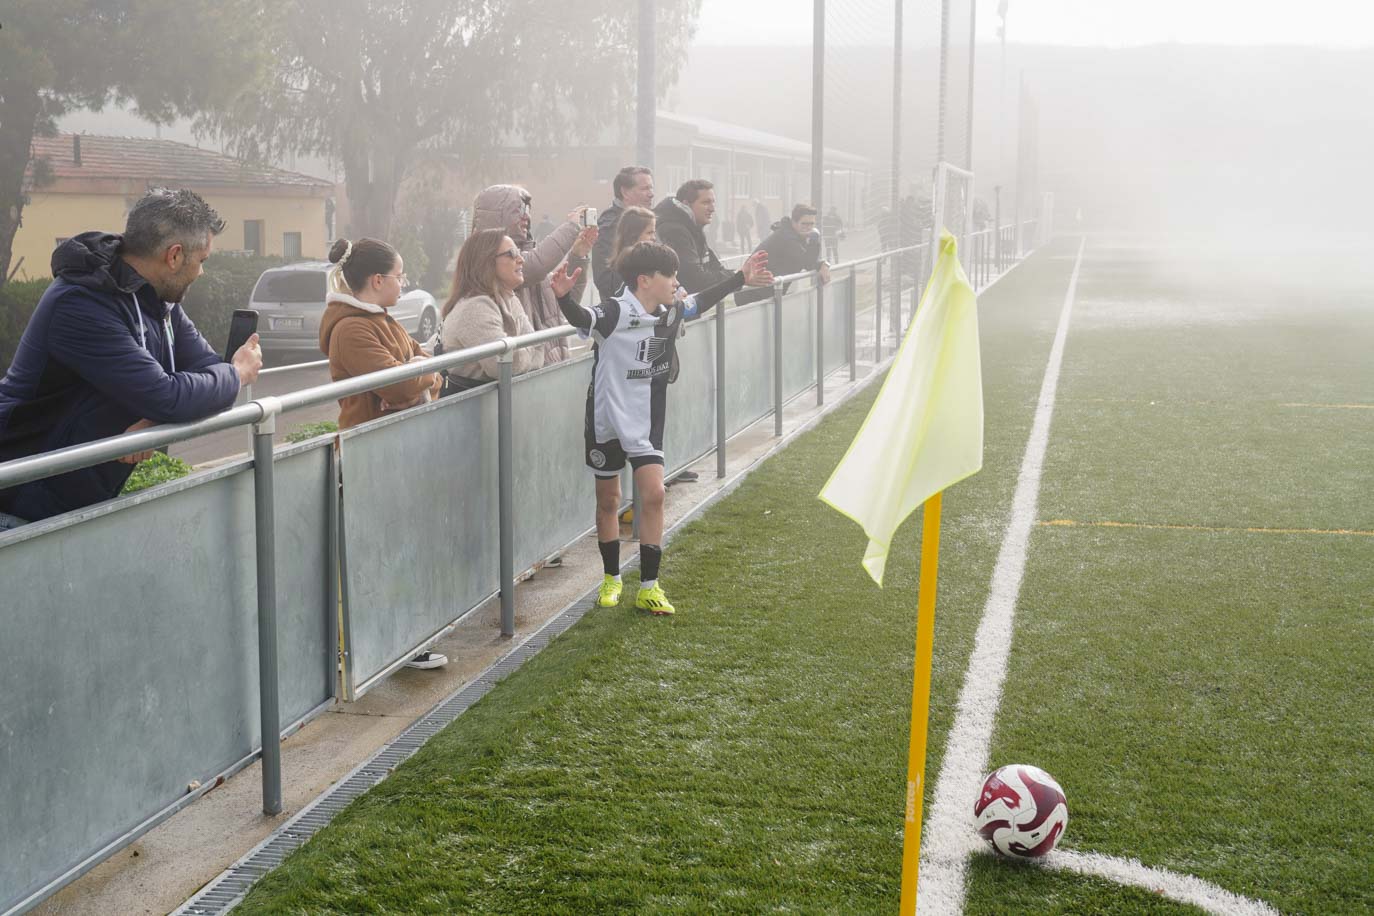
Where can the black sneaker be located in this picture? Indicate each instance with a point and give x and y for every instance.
(428, 660)
(687, 477)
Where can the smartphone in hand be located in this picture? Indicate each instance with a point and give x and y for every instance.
(242, 326)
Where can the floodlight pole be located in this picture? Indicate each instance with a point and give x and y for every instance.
(647, 100)
(817, 107)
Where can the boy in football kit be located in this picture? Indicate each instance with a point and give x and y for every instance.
(635, 336)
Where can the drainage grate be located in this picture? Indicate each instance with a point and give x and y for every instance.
(224, 893)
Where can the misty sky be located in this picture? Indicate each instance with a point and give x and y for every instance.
(1343, 23)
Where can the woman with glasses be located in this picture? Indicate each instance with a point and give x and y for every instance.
(483, 307)
(359, 335)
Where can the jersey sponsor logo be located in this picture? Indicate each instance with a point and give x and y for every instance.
(597, 457)
(652, 372)
(651, 349)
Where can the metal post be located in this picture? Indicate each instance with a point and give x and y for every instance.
(997, 227)
(944, 84)
(896, 196)
(505, 484)
(333, 596)
(777, 360)
(817, 108)
(897, 277)
(720, 390)
(820, 343)
(852, 324)
(878, 313)
(266, 529)
(972, 51)
(647, 100)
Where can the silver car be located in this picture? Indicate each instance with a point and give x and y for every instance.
(290, 302)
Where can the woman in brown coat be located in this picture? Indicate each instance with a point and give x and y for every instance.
(359, 335)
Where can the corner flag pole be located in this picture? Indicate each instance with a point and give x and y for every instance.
(920, 702)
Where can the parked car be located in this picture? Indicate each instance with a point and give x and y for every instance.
(290, 302)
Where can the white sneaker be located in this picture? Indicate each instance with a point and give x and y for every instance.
(428, 660)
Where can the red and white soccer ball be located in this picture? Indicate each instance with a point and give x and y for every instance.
(1021, 811)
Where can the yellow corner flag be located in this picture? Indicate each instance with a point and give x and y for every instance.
(925, 431)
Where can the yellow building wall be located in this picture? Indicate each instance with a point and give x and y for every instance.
(50, 216)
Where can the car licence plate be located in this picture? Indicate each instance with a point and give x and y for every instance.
(287, 324)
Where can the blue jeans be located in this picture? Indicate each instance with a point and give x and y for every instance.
(8, 521)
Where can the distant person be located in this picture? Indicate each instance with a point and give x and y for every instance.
(794, 246)
(635, 335)
(633, 186)
(744, 228)
(109, 349)
(507, 207)
(762, 218)
(359, 336)
(545, 226)
(832, 232)
(887, 229)
(483, 307)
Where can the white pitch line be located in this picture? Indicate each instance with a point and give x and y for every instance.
(949, 835)
(1183, 888)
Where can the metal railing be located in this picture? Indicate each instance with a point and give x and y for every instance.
(893, 272)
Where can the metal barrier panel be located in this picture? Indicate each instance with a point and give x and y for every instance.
(748, 365)
(419, 525)
(128, 661)
(554, 500)
(690, 427)
(836, 324)
(798, 340)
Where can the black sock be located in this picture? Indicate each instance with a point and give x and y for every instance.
(650, 555)
(610, 556)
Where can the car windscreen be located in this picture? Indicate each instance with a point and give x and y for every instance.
(290, 286)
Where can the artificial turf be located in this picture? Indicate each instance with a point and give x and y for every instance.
(1196, 692)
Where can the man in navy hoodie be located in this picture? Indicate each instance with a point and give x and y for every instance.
(109, 350)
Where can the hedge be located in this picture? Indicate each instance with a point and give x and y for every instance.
(226, 285)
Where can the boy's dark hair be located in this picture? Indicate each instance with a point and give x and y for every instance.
(690, 189)
(646, 259)
(165, 216)
(626, 178)
(803, 210)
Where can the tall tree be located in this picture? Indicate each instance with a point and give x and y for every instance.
(371, 83)
(166, 57)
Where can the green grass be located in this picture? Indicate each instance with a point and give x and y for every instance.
(158, 469)
(306, 431)
(1198, 693)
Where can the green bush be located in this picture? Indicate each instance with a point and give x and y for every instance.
(158, 469)
(17, 302)
(311, 430)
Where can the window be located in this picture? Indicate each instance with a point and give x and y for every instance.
(741, 184)
(291, 245)
(291, 286)
(772, 185)
(677, 177)
(252, 235)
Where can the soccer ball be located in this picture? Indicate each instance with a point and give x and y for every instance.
(1021, 810)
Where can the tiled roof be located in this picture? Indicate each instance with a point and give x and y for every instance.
(159, 162)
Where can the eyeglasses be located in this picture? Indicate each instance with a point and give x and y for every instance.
(399, 278)
(512, 253)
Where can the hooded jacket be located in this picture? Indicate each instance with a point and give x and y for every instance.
(788, 253)
(481, 319)
(500, 207)
(101, 352)
(359, 337)
(698, 267)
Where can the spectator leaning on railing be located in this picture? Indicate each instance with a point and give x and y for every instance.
(507, 207)
(359, 335)
(793, 246)
(483, 307)
(633, 186)
(109, 350)
(682, 219)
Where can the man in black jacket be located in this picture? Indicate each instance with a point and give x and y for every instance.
(633, 186)
(793, 246)
(682, 221)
